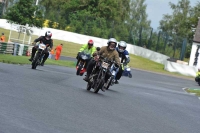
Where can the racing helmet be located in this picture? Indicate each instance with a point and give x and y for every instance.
(112, 43)
(122, 46)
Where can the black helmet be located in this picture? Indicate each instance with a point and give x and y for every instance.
(48, 34)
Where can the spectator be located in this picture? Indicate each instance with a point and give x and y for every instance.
(3, 38)
(58, 51)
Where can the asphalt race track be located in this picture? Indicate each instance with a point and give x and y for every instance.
(52, 99)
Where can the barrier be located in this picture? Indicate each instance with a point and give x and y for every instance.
(15, 49)
(82, 39)
(3, 47)
(6, 48)
(180, 68)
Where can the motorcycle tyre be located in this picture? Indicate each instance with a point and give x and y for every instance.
(130, 75)
(98, 86)
(88, 87)
(79, 69)
(34, 63)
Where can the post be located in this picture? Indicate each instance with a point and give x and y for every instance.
(36, 5)
(36, 2)
(140, 37)
(10, 33)
(182, 54)
(24, 34)
(149, 42)
(175, 46)
(166, 39)
(158, 41)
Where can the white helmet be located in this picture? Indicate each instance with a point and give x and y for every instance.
(112, 40)
(122, 46)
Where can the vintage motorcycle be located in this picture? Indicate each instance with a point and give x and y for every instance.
(197, 79)
(83, 58)
(111, 80)
(97, 77)
(39, 55)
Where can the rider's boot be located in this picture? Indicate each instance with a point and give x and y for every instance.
(42, 63)
(31, 59)
(116, 82)
(86, 78)
(32, 54)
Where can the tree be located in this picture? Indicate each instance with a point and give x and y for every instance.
(25, 12)
(181, 22)
(92, 17)
(177, 23)
(139, 26)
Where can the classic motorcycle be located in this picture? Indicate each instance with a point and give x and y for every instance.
(97, 77)
(83, 58)
(111, 80)
(38, 56)
(197, 79)
(127, 71)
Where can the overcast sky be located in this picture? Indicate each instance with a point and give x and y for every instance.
(156, 9)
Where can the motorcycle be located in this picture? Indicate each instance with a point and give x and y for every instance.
(111, 80)
(83, 58)
(97, 77)
(38, 56)
(197, 79)
(127, 71)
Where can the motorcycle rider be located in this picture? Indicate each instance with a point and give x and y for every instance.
(108, 52)
(87, 48)
(45, 40)
(197, 78)
(124, 57)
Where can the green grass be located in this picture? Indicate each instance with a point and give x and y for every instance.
(196, 91)
(71, 49)
(24, 60)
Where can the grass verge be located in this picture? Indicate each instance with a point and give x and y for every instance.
(24, 60)
(195, 91)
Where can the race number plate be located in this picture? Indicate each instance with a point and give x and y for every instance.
(105, 65)
(42, 46)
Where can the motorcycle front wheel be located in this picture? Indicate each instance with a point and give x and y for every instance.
(35, 61)
(80, 66)
(98, 85)
(110, 80)
(88, 86)
(130, 75)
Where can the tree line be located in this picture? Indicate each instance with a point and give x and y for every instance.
(123, 19)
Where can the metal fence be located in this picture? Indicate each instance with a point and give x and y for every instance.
(162, 42)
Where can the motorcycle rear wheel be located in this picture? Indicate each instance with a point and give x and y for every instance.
(110, 81)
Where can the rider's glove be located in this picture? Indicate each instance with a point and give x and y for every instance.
(49, 49)
(116, 65)
(124, 63)
(94, 54)
(33, 43)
